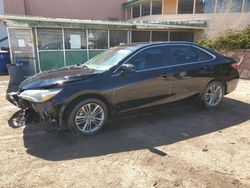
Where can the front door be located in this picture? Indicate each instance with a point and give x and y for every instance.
(148, 85)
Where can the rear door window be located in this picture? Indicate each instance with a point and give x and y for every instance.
(183, 54)
(153, 57)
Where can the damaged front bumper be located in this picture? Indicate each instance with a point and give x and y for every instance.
(48, 111)
(14, 98)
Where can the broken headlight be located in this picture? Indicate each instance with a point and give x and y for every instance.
(38, 96)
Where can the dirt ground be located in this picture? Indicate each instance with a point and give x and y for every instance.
(177, 146)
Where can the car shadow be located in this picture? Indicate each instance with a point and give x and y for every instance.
(144, 130)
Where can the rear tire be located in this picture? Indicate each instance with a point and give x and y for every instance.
(87, 117)
(213, 95)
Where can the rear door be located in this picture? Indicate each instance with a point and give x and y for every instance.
(190, 67)
(148, 84)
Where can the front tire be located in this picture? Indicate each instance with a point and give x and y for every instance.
(213, 95)
(87, 117)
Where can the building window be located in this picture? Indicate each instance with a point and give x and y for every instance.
(229, 6)
(159, 35)
(49, 39)
(145, 9)
(98, 39)
(76, 46)
(156, 7)
(136, 11)
(50, 45)
(118, 37)
(75, 39)
(205, 6)
(21, 41)
(181, 36)
(247, 6)
(140, 36)
(185, 6)
(236, 5)
(129, 13)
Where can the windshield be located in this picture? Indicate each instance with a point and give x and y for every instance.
(108, 59)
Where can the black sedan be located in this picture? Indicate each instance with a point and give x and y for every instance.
(82, 97)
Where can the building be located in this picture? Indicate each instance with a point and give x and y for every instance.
(57, 40)
(219, 14)
(3, 31)
(53, 43)
(74, 9)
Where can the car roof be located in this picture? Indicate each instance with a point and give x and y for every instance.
(146, 44)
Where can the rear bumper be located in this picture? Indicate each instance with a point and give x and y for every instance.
(232, 85)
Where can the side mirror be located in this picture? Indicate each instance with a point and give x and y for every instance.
(127, 68)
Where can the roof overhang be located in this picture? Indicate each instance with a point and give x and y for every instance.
(29, 21)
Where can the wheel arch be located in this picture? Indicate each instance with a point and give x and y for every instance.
(217, 80)
(80, 97)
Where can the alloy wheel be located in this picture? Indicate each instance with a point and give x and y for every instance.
(89, 117)
(214, 95)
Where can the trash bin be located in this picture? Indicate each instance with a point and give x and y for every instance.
(16, 74)
(4, 60)
(28, 65)
(22, 69)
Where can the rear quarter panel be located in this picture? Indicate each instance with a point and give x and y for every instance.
(227, 74)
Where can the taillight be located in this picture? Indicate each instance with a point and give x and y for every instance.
(235, 66)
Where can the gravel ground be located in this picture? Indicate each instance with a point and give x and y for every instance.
(177, 146)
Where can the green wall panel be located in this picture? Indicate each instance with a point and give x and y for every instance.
(93, 53)
(76, 57)
(51, 60)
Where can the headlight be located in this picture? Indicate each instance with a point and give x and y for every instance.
(39, 95)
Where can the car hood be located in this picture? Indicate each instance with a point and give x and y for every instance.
(57, 77)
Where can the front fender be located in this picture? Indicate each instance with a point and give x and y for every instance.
(88, 94)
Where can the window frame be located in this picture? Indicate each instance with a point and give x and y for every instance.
(134, 7)
(193, 62)
(204, 10)
(111, 30)
(116, 72)
(128, 13)
(142, 8)
(94, 31)
(145, 31)
(221, 5)
(49, 28)
(179, 9)
(166, 53)
(158, 31)
(152, 7)
(246, 8)
(172, 33)
(75, 32)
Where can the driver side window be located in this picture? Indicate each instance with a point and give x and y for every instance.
(153, 57)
